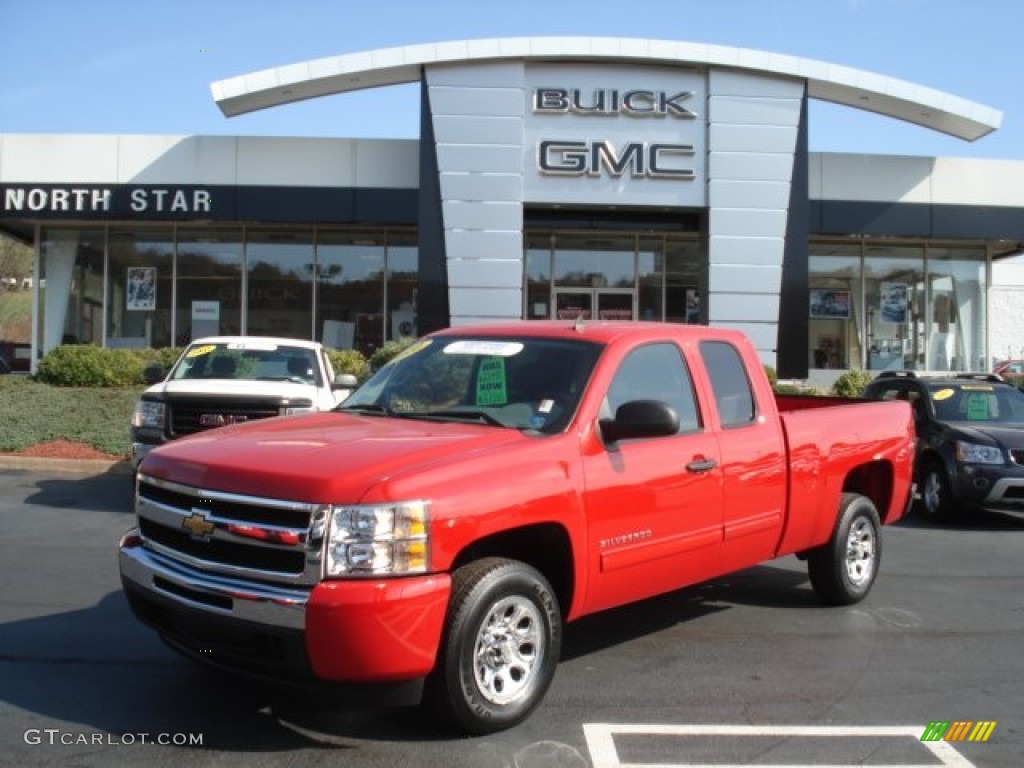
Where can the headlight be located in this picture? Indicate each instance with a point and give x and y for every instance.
(972, 453)
(378, 539)
(148, 414)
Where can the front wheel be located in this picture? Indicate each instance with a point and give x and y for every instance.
(843, 570)
(501, 645)
(936, 503)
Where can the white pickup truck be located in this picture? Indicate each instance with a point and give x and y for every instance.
(224, 380)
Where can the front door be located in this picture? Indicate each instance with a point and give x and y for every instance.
(591, 303)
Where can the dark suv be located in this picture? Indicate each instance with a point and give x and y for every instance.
(970, 440)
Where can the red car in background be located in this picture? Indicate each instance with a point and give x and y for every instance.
(1012, 371)
(17, 355)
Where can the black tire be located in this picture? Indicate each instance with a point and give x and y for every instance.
(501, 644)
(843, 570)
(936, 502)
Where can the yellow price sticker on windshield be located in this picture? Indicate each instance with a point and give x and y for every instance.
(943, 394)
(203, 350)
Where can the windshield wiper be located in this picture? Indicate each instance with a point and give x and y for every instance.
(468, 415)
(371, 408)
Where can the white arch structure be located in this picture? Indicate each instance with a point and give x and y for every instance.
(834, 83)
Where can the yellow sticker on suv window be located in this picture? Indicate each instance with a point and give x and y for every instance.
(943, 394)
(203, 350)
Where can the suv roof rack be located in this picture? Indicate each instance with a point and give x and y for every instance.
(995, 377)
(904, 374)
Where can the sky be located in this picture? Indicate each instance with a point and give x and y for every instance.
(145, 66)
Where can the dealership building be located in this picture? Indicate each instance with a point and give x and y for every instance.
(609, 179)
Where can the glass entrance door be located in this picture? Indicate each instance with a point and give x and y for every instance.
(588, 303)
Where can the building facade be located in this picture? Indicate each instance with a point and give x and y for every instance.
(553, 178)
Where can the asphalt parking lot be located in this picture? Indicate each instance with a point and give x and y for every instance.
(746, 670)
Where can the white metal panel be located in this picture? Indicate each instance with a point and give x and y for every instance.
(496, 102)
(724, 137)
(750, 165)
(737, 193)
(60, 159)
(470, 273)
(978, 181)
(486, 302)
(319, 162)
(507, 74)
(460, 214)
(747, 307)
(746, 222)
(463, 129)
(753, 111)
(878, 178)
(744, 278)
(482, 159)
(177, 159)
(387, 163)
(469, 244)
(506, 187)
(728, 82)
(760, 251)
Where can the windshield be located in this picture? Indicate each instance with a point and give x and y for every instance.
(248, 360)
(522, 383)
(978, 403)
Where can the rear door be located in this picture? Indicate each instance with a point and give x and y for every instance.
(752, 456)
(654, 505)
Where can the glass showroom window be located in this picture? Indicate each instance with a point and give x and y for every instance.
(71, 287)
(894, 300)
(209, 296)
(139, 287)
(537, 291)
(835, 327)
(685, 263)
(956, 316)
(403, 281)
(350, 290)
(280, 283)
(650, 260)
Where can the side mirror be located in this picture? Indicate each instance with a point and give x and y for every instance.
(344, 381)
(640, 418)
(154, 374)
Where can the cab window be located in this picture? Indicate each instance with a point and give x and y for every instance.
(655, 372)
(733, 395)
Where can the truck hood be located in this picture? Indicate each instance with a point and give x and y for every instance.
(1009, 437)
(326, 457)
(242, 388)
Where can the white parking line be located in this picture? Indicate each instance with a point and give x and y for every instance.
(603, 753)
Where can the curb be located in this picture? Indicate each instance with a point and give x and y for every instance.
(65, 466)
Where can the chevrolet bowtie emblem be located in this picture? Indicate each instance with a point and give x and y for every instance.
(198, 526)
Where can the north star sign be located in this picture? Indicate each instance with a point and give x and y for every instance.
(588, 157)
(54, 200)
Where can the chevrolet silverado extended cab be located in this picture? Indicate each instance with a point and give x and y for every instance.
(230, 379)
(493, 482)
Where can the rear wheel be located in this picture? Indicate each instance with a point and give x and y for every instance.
(500, 648)
(843, 570)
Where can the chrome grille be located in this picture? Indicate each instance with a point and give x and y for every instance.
(268, 540)
(188, 416)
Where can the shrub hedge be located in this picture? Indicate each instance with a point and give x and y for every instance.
(85, 365)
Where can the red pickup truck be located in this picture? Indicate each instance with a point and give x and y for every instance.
(437, 530)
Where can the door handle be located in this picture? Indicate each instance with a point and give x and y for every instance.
(701, 465)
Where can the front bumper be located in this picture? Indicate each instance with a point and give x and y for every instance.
(358, 631)
(993, 487)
